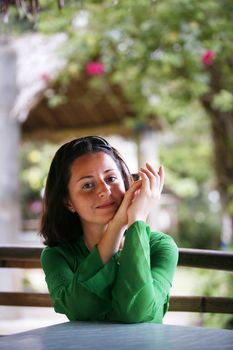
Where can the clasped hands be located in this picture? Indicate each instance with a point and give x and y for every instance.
(141, 196)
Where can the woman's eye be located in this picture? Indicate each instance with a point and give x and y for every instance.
(111, 179)
(87, 186)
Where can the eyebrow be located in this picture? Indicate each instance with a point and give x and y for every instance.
(91, 176)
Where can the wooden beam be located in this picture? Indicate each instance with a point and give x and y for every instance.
(59, 135)
(29, 257)
(201, 304)
(25, 299)
(208, 259)
(177, 303)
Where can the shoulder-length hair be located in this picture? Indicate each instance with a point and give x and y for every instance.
(58, 224)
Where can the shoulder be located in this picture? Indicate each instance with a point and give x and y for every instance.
(158, 237)
(163, 243)
(52, 257)
(53, 251)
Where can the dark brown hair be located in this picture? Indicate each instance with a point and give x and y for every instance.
(58, 224)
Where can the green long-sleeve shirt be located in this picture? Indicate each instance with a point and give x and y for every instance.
(132, 287)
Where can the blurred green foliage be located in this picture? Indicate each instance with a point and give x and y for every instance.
(168, 56)
(215, 283)
(35, 161)
(198, 226)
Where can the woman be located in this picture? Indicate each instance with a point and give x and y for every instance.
(102, 261)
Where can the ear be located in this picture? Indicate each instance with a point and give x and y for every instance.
(69, 205)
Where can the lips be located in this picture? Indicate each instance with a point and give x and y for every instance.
(106, 205)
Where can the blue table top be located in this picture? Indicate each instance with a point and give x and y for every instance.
(144, 336)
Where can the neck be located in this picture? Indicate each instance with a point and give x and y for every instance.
(92, 235)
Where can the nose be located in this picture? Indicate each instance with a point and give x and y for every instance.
(104, 190)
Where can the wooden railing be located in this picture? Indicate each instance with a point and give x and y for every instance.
(29, 257)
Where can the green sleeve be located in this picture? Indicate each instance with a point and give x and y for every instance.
(147, 266)
(80, 292)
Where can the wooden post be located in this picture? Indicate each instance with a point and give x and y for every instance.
(9, 148)
(9, 163)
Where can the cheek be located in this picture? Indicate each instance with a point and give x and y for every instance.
(81, 205)
(120, 189)
(77, 199)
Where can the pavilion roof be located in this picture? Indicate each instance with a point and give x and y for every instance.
(86, 106)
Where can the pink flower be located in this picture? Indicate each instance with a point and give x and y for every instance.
(95, 68)
(36, 207)
(207, 57)
(44, 77)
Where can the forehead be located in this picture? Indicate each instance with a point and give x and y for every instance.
(90, 163)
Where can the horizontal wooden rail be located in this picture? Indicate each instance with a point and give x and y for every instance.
(20, 256)
(29, 257)
(207, 259)
(201, 304)
(25, 299)
(177, 303)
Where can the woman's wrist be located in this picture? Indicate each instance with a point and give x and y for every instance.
(131, 221)
(111, 240)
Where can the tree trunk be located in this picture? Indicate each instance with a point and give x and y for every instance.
(222, 135)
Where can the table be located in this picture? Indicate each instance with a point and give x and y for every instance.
(101, 336)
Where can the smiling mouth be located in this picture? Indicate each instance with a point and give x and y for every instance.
(105, 205)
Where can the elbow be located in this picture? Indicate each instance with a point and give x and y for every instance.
(63, 304)
(139, 318)
(141, 314)
(60, 308)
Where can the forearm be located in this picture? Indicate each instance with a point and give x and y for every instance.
(141, 291)
(133, 292)
(111, 241)
(80, 292)
(81, 305)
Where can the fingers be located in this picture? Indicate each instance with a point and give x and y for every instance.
(121, 214)
(161, 174)
(156, 178)
(129, 195)
(134, 187)
(146, 179)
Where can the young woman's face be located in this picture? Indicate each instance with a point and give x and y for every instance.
(96, 188)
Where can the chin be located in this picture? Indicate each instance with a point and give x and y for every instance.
(107, 220)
